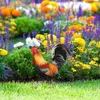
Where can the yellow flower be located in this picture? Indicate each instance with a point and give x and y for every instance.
(91, 25)
(3, 52)
(77, 56)
(12, 23)
(94, 7)
(93, 42)
(81, 64)
(54, 37)
(73, 69)
(3, 28)
(2, 32)
(98, 44)
(40, 37)
(45, 43)
(95, 59)
(13, 27)
(9, 29)
(53, 3)
(12, 20)
(79, 41)
(1, 25)
(76, 64)
(43, 52)
(86, 66)
(93, 63)
(7, 22)
(62, 40)
(75, 35)
(81, 49)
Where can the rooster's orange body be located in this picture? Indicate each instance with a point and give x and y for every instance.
(49, 68)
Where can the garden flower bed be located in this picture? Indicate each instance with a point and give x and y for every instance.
(50, 40)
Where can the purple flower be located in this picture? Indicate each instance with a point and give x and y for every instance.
(33, 1)
(80, 12)
(97, 34)
(26, 2)
(88, 35)
(7, 34)
(34, 33)
(97, 19)
(10, 48)
(0, 13)
(29, 35)
(1, 41)
(48, 44)
(24, 37)
(68, 39)
(7, 2)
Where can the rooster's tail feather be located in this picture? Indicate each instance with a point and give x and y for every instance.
(53, 70)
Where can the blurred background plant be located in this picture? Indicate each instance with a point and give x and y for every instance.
(25, 25)
(3, 53)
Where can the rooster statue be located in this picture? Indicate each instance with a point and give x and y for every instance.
(59, 56)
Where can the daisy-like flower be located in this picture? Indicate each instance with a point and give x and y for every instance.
(35, 42)
(29, 42)
(19, 44)
(32, 42)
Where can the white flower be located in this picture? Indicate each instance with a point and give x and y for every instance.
(19, 8)
(32, 42)
(47, 22)
(36, 42)
(29, 42)
(33, 11)
(19, 44)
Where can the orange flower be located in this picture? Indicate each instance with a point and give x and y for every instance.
(5, 12)
(84, 27)
(10, 9)
(88, 0)
(90, 19)
(16, 13)
(45, 9)
(47, 16)
(71, 16)
(44, 3)
(94, 7)
(60, 9)
(77, 27)
(63, 10)
(75, 35)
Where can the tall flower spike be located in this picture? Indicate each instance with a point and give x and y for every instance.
(26, 2)
(7, 2)
(80, 12)
(34, 34)
(29, 35)
(24, 37)
(7, 34)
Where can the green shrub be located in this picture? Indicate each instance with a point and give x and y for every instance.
(24, 25)
(65, 72)
(20, 61)
(70, 72)
(2, 70)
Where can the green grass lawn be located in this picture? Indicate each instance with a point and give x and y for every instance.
(87, 90)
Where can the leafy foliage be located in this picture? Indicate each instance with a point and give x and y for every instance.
(20, 61)
(25, 25)
(2, 70)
